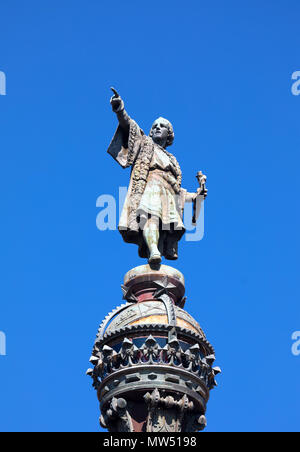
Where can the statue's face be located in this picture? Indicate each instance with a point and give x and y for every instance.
(159, 131)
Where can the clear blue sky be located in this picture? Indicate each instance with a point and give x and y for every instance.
(221, 73)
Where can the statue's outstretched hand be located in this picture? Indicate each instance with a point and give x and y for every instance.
(116, 102)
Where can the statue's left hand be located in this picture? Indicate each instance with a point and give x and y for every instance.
(202, 192)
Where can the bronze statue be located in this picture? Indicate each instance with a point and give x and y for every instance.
(153, 209)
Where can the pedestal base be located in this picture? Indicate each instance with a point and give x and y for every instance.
(152, 362)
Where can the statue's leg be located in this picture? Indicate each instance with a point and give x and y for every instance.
(151, 236)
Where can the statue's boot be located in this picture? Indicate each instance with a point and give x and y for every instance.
(171, 252)
(171, 255)
(155, 256)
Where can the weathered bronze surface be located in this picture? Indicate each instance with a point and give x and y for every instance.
(152, 364)
(153, 209)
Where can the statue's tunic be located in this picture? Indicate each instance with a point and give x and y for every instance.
(154, 189)
(159, 198)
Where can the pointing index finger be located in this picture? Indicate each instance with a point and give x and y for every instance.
(115, 91)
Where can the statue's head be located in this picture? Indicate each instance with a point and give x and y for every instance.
(162, 132)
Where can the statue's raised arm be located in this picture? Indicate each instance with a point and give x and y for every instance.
(126, 141)
(117, 105)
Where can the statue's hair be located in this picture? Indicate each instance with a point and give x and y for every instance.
(170, 138)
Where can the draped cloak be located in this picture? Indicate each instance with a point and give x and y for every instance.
(154, 189)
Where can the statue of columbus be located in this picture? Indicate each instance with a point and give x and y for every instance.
(152, 216)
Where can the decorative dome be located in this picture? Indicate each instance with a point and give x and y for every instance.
(149, 352)
(155, 313)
